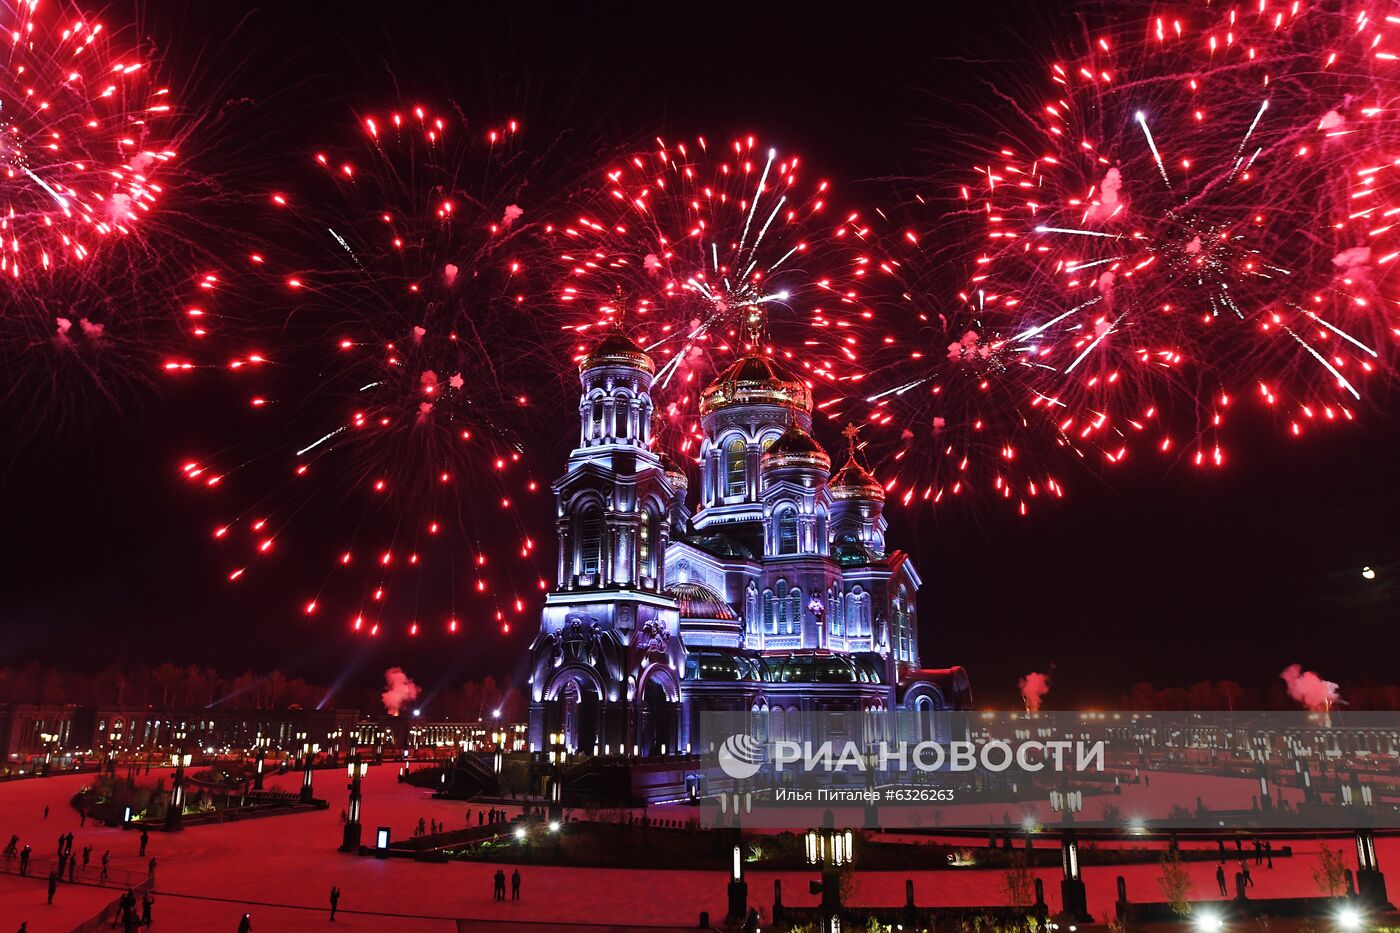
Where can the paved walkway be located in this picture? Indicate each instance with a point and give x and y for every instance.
(280, 870)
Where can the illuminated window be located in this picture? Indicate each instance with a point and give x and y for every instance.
(621, 409)
(735, 467)
(787, 532)
(590, 540)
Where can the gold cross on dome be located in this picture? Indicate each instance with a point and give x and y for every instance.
(851, 432)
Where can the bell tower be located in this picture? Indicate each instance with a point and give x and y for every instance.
(608, 634)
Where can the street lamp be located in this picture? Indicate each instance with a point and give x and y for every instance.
(830, 849)
(357, 769)
(308, 759)
(175, 809)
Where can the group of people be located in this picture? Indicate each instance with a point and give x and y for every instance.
(126, 911)
(1263, 855)
(499, 890)
(486, 817)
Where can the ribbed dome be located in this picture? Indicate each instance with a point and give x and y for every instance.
(854, 481)
(617, 349)
(755, 379)
(796, 448)
(698, 601)
(675, 474)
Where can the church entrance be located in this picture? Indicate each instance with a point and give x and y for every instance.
(659, 715)
(576, 713)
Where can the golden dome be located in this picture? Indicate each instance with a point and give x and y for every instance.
(854, 481)
(755, 379)
(675, 473)
(698, 601)
(617, 349)
(796, 448)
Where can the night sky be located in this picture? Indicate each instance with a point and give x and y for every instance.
(1153, 572)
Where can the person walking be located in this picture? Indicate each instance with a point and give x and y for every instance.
(246, 924)
(1269, 853)
(145, 838)
(53, 885)
(151, 869)
(46, 811)
(106, 861)
(1220, 879)
(87, 855)
(499, 890)
(72, 869)
(1244, 871)
(335, 901)
(147, 901)
(24, 859)
(515, 885)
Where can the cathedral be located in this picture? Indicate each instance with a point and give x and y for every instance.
(776, 594)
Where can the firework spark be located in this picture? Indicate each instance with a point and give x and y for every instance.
(396, 350)
(1193, 211)
(707, 251)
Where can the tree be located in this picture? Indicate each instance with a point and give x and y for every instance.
(1017, 883)
(1175, 883)
(1330, 873)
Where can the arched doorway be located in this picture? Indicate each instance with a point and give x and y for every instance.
(575, 710)
(658, 719)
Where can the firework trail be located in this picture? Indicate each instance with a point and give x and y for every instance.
(392, 353)
(703, 252)
(89, 143)
(1193, 208)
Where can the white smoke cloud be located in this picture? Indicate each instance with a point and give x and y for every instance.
(399, 690)
(1331, 120)
(1354, 264)
(1105, 284)
(449, 274)
(969, 348)
(512, 213)
(1110, 200)
(1034, 686)
(652, 263)
(1309, 689)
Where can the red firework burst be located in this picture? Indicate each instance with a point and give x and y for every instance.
(703, 252)
(1192, 211)
(395, 347)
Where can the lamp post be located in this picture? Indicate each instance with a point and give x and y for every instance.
(175, 809)
(1074, 900)
(830, 849)
(350, 842)
(308, 758)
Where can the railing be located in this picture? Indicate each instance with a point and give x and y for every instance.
(41, 868)
(110, 915)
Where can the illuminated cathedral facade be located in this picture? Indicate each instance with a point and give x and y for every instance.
(777, 593)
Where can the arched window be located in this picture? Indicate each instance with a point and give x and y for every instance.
(794, 613)
(595, 420)
(622, 411)
(787, 531)
(736, 467)
(857, 613)
(770, 623)
(590, 540)
(903, 640)
(837, 613)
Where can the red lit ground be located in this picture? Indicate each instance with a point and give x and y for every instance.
(280, 869)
